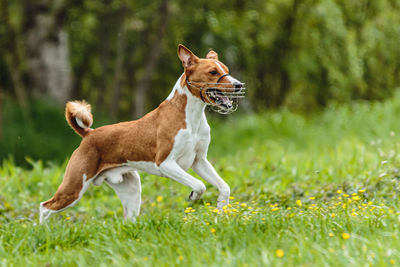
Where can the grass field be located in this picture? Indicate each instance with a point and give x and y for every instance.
(320, 190)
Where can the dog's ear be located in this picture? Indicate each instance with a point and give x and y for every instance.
(186, 56)
(212, 55)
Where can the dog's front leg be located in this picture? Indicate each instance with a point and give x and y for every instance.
(206, 171)
(172, 170)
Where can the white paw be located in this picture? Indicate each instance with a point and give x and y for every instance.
(195, 195)
(44, 213)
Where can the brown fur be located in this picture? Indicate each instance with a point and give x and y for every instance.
(149, 139)
(81, 110)
(198, 69)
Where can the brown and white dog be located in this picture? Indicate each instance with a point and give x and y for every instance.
(166, 142)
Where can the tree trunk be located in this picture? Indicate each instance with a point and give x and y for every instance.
(154, 52)
(48, 49)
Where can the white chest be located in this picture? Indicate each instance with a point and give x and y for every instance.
(188, 144)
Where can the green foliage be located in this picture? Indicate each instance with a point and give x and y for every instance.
(47, 136)
(292, 178)
(300, 54)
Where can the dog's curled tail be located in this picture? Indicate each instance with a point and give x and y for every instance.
(79, 117)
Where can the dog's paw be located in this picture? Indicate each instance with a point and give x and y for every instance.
(194, 196)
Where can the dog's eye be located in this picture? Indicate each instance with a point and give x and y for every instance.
(214, 72)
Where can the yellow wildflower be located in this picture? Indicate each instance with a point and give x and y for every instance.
(213, 230)
(243, 204)
(392, 262)
(345, 195)
(345, 236)
(355, 198)
(312, 198)
(275, 209)
(361, 190)
(339, 191)
(216, 210)
(370, 203)
(298, 202)
(331, 234)
(159, 198)
(279, 253)
(231, 197)
(333, 215)
(180, 258)
(354, 194)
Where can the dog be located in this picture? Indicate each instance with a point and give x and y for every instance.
(165, 142)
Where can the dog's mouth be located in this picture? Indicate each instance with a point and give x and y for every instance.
(219, 98)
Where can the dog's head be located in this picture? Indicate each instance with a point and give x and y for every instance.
(209, 80)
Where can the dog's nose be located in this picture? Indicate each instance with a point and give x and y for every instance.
(238, 85)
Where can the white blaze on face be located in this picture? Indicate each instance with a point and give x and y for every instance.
(220, 67)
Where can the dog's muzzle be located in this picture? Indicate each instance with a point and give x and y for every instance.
(223, 98)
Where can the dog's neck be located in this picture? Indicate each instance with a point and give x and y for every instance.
(195, 107)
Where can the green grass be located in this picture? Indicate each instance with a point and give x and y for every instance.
(292, 178)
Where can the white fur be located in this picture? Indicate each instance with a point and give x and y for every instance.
(129, 192)
(80, 123)
(220, 67)
(146, 166)
(113, 176)
(189, 150)
(232, 80)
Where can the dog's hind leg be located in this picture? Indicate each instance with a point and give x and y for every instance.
(73, 186)
(129, 192)
(67, 195)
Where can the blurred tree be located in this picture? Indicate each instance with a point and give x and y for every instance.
(122, 54)
(47, 48)
(13, 60)
(153, 52)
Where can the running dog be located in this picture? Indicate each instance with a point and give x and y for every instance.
(166, 142)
